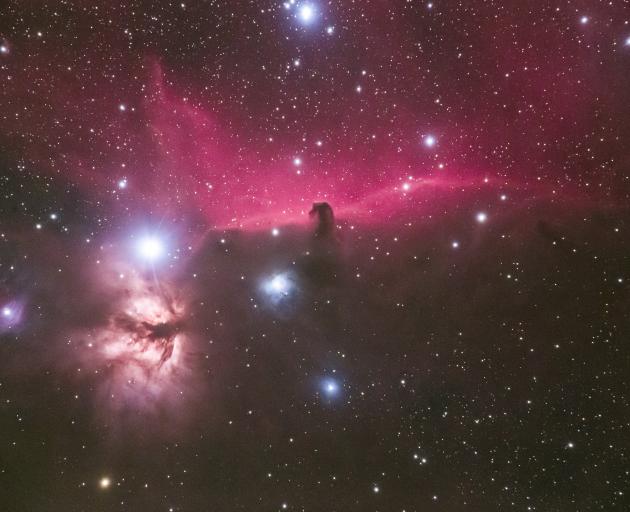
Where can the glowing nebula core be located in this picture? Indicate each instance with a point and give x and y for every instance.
(144, 336)
(141, 346)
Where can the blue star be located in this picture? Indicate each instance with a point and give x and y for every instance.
(279, 287)
(330, 387)
(306, 13)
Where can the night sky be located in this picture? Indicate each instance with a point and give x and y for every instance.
(318, 256)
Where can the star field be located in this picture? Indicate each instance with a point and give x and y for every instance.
(314, 256)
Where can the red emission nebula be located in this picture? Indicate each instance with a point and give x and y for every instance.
(303, 255)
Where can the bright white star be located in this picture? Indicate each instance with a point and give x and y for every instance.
(306, 13)
(279, 284)
(150, 248)
(279, 287)
(429, 141)
(330, 387)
